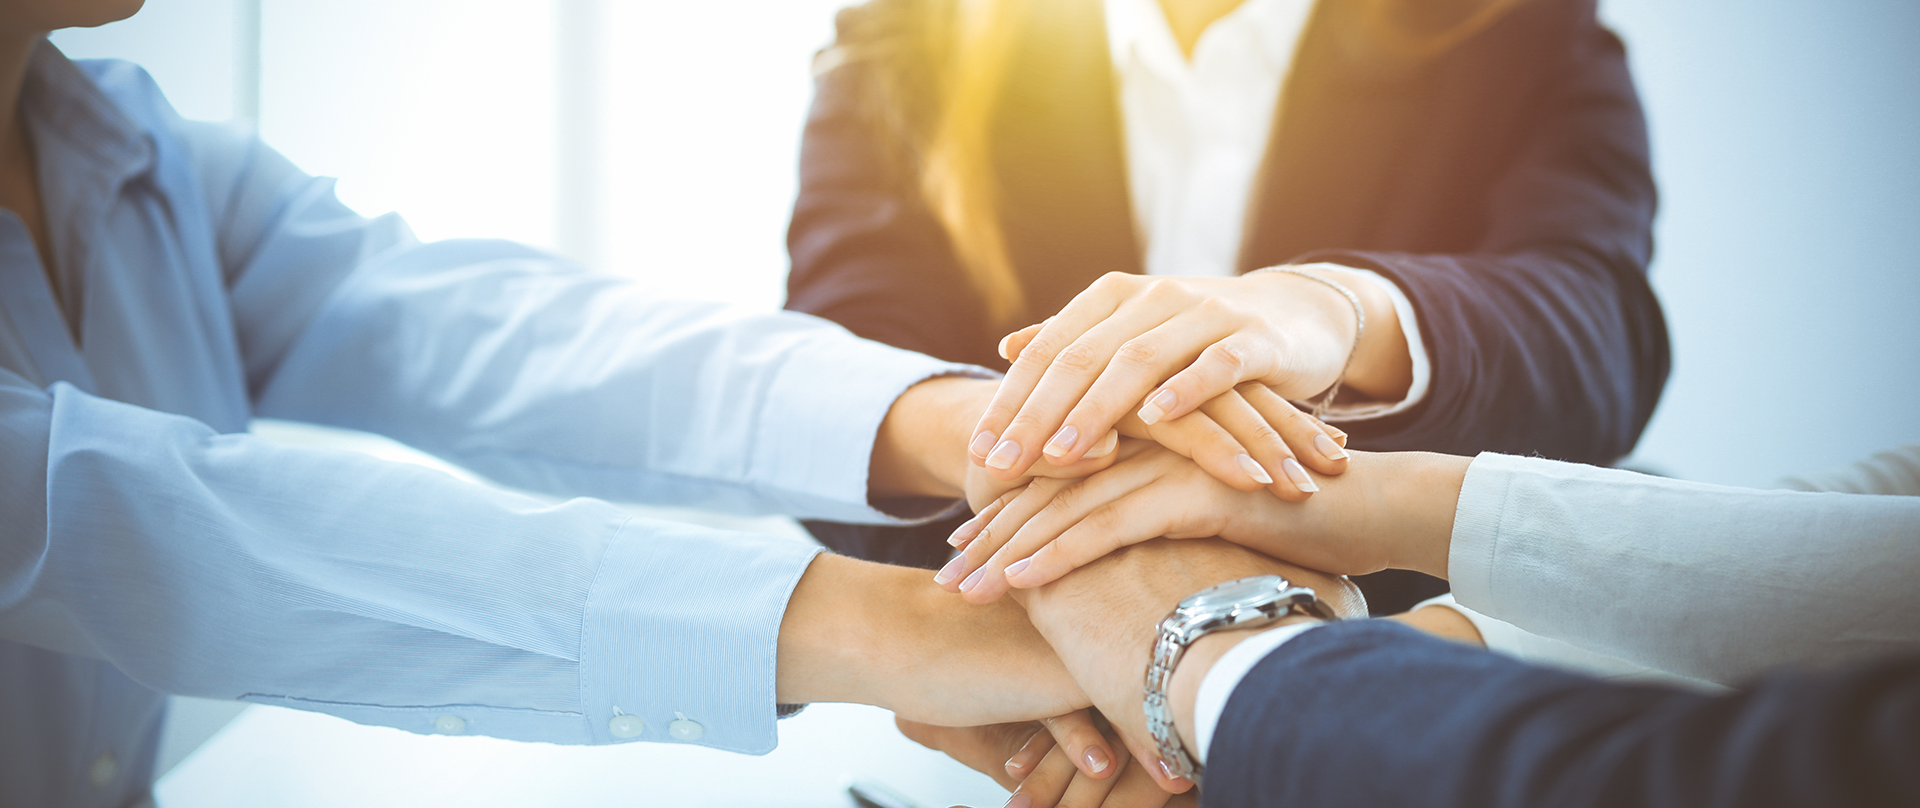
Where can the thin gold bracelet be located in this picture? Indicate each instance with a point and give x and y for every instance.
(1359, 328)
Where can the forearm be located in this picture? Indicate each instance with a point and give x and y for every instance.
(856, 631)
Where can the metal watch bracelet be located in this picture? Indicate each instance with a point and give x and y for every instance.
(1187, 624)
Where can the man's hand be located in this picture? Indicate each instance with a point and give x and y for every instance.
(1101, 619)
(855, 631)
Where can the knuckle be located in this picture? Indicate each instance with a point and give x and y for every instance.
(1000, 412)
(1023, 423)
(1139, 352)
(1039, 350)
(1213, 307)
(1078, 357)
(1259, 431)
(1165, 288)
(1064, 502)
(1228, 355)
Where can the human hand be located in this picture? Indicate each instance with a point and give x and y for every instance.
(1043, 772)
(920, 448)
(1390, 511)
(1187, 340)
(1102, 619)
(856, 631)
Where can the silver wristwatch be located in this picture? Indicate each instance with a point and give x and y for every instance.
(1245, 603)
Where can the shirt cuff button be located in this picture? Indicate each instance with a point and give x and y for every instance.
(684, 729)
(449, 725)
(626, 726)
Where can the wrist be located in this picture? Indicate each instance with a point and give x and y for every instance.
(921, 448)
(857, 631)
(1417, 494)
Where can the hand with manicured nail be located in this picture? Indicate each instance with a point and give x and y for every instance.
(1163, 349)
(1390, 511)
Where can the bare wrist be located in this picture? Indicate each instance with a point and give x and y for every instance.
(920, 449)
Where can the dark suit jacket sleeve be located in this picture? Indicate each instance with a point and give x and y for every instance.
(867, 252)
(1546, 337)
(1374, 713)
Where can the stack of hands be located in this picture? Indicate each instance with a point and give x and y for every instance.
(1147, 412)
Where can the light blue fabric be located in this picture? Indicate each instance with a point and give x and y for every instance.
(149, 545)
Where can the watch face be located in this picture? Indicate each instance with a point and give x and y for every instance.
(1235, 592)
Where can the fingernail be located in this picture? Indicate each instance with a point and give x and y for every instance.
(1017, 567)
(1298, 475)
(953, 568)
(966, 531)
(1105, 447)
(1158, 407)
(982, 443)
(1097, 760)
(1004, 455)
(1168, 771)
(1002, 348)
(1019, 801)
(973, 580)
(1338, 436)
(1013, 766)
(1327, 447)
(1253, 469)
(1062, 442)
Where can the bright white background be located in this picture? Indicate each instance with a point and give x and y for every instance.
(659, 140)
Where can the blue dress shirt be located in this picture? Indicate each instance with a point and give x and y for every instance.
(150, 546)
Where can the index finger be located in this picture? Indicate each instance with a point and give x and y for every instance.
(1086, 310)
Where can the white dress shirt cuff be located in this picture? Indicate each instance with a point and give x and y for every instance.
(1416, 352)
(826, 404)
(1225, 676)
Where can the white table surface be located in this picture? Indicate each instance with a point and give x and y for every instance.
(271, 757)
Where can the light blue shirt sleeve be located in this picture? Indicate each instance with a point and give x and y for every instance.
(220, 565)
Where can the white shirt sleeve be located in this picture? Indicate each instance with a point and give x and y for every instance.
(1705, 581)
(1225, 675)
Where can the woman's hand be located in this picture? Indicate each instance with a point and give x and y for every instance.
(1187, 341)
(1392, 510)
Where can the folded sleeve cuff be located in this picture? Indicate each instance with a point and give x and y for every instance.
(1476, 527)
(681, 635)
(826, 405)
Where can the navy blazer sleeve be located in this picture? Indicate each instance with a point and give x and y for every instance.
(1545, 337)
(1374, 713)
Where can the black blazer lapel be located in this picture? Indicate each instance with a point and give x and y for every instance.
(1345, 123)
(1060, 158)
